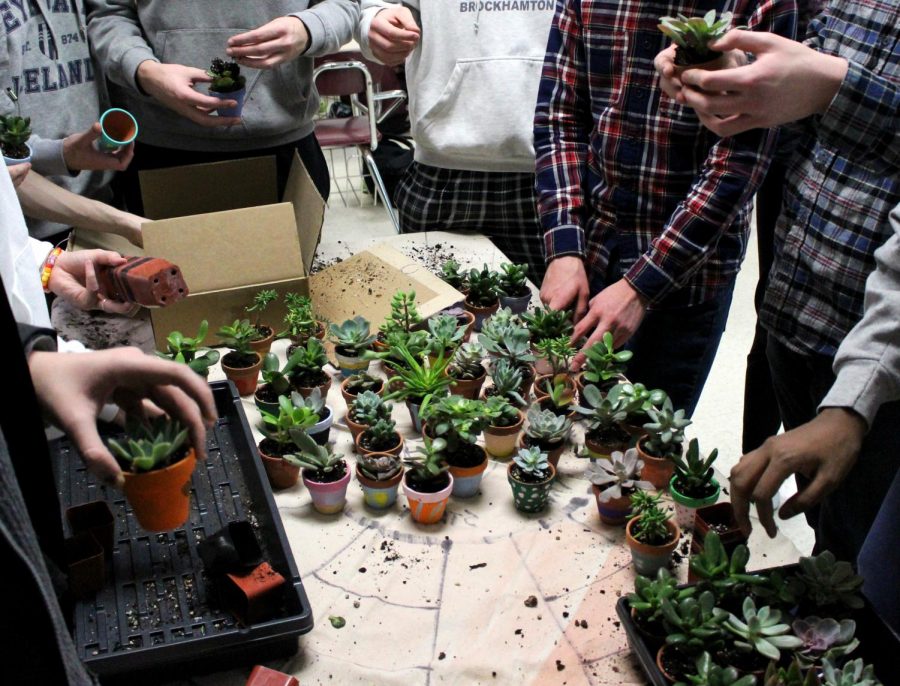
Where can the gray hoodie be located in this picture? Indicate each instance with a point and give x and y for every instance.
(45, 60)
(280, 103)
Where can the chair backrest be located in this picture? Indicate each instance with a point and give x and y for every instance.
(342, 78)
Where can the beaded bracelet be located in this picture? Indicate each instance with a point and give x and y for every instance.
(47, 269)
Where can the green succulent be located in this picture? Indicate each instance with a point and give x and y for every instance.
(507, 380)
(354, 335)
(665, 431)
(238, 336)
(466, 361)
(558, 352)
(500, 412)
(261, 302)
(404, 315)
(694, 624)
(637, 399)
(418, 379)
(544, 323)
(381, 467)
(532, 461)
(721, 573)
(604, 411)
(828, 581)
(602, 363)
(315, 458)
(308, 359)
(151, 444)
(761, 631)
(381, 434)
(545, 426)
(190, 351)
(300, 322)
(507, 341)
(793, 675)
(692, 472)
(854, 673)
(711, 674)
(651, 523)
(226, 76)
(693, 35)
(451, 275)
(362, 382)
(514, 280)
(617, 476)
(429, 461)
(14, 134)
(369, 407)
(292, 413)
(484, 287)
(456, 419)
(277, 377)
(646, 601)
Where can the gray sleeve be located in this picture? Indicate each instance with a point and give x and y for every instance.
(47, 156)
(867, 364)
(369, 9)
(330, 25)
(117, 41)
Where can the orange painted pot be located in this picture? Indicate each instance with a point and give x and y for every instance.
(427, 508)
(161, 499)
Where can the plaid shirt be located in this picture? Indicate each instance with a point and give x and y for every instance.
(843, 181)
(625, 175)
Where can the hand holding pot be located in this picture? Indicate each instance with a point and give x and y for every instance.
(173, 86)
(74, 279)
(80, 153)
(279, 41)
(393, 35)
(73, 388)
(823, 450)
(565, 284)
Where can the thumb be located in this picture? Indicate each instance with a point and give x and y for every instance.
(745, 40)
(405, 20)
(94, 132)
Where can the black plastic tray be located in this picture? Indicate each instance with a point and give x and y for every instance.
(877, 644)
(157, 610)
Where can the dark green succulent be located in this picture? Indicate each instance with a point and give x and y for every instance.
(226, 76)
(149, 444)
(190, 351)
(602, 363)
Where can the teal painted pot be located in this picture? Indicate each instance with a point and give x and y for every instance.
(686, 508)
(466, 480)
(530, 497)
(379, 495)
(118, 128)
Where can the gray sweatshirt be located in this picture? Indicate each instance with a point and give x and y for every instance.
(45, 60)
(473, 80)
(280, 103)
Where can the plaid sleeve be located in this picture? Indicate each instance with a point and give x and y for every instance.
(734, 169)
(864, 117)
(562, 124)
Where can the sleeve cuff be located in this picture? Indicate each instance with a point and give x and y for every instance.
(318, 32)
(854, 119)
(563, 241)
(649, 280)
(39, 252)
(130, 62)
(47, 157)
(860, 386)
(365, 25)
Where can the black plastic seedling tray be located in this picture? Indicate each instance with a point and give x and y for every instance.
(877, 644)
(158, 610)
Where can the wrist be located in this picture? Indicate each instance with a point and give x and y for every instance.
(145, 74)
(832, 71)
(846, 420)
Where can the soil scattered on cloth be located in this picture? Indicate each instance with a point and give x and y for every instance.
(478, 566)
(432, 256)
(531, 601)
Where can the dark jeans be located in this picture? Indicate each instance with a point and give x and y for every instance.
(844, 517)
(153, 157)
(879, 559)
(674, 348)
(761, 416)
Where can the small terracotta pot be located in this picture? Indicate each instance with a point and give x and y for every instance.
(349, 397)
(686, 507)
(379, 495)
(307, 391)
(517, 303)
(355, 428)
(468, 388)
(553, 454)
(648, 559)
(255, 596)
(657, 470)
(615, 511)
(466, 480)
(659, 664)
(711, 65)
(270, 407)
(161, 499)
(481, 313)
(233, 548)
(281, 473)
(263, 676)
(244, 378)
(469, 323)
(328, 498)
(500, 441)
(542, 366)
(350, 364)
(529, 497)
(86, 566)
(602, 451)
(263, 345)
(362, 450)
(721, 516)
(96, 519)
(427, 508)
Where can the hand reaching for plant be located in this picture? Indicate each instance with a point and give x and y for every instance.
(74, 279)
(18, 172)
(79, 153)
(279, 41)
(73, 389)
(823, 450)
(393, 34)
(565, 284)
(619, 309)
(173, 86)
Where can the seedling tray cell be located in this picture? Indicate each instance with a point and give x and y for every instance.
(159, 610)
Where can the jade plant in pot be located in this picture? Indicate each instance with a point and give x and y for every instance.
(308, 373)
(416, 380)
(459, 421)
(530, 475)
(242, 364)
(324, 474)
(365, 411)
(483, 298)
(693, 36)
(694, 484)
(604, 366)
(300, 323)
(427, 483)
(379, 476)
(157, 463)
(14, 134)
(467, 371)
(651, 534)
(351, 339)
(354, 385)
(604, 415)
(278, 442)
(663, 442)
(505, 421)
(190, 351)
(544, 324)
(645, 603)
(548, 431)
(265, 334)
(514, 291)
(506, 382)
(613, 482)
(227, 84)
(638, 400)
(276, 381)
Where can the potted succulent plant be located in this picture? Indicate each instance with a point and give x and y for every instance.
(603, 365)
(824, 638)
(853, 673)
(404, 316)
(354, 385)
(828, 584)
(559, 398)
(651, 534)
(379, 476)
(531, 475)
(506, 382)
(693, 36)
(276, 381)
(663, 442)
(445, 335)
(718, 517)
(321, 430)
(483, 298)
(365, 411)
(265, 334)
(351, 339)
(548, 431)
(278, 442)
(190, 351)
(646, 603)
(459, 421)
(417, 380)
(514, 291)
(308, 373)
(694, 484)
(227, 84)
(558, 352)
(14, 134)
(759, 636)
(614, 481)
(381, 436)
(693, 625)
(504, 425)
(723, 573)
(544, 324)
(603, 431)
(793, 675)
(414, 342)
(427, 483)
(300, 322)
(451, 275)
(242, 364)
(638, 400)
(466, 370)
(157, 463)
(708, 673)
(324, 474)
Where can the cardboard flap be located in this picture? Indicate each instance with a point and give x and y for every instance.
(85, 239)
(309, 210)
(364, 284)
(229, 249)
(200, 188)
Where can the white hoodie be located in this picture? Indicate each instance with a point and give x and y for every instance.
(473, 80)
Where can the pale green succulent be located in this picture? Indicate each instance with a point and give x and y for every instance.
(151, 444)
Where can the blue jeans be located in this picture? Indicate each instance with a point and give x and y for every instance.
(879, 559)
(674, 347)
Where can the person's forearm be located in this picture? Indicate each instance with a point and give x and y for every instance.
(116, 39)
(330, 25)
(42, 199)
